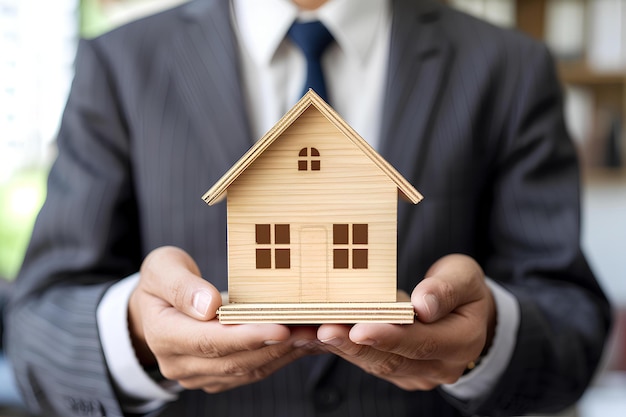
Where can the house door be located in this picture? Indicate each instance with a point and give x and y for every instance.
(313, 264)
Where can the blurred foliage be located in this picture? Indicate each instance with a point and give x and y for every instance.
(93, 21)
(21, 198)
(23, 193)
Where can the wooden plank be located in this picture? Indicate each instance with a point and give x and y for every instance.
(317, 313)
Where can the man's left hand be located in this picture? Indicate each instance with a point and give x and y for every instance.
(456, 316)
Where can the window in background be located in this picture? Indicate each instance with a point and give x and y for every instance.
(38, 41)
(498, 12)
(99, 16)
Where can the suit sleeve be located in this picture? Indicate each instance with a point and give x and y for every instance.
(533, 250)
(84, 240)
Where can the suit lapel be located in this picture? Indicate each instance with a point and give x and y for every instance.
(418, 58)
(207, 73)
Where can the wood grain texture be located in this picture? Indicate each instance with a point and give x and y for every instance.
(349, 189)
(286, 196)
(218, 190)
(317, 313)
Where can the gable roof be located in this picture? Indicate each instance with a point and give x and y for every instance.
(218, 190)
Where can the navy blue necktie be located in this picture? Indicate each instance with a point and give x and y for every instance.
(312, 38)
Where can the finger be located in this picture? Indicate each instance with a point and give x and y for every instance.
(302, 336)
(415, 342)
(452, 281)
(215, 385)
(337, 338)
(173, 333)
(405, 372)
(450, 339)
(171, 274)
(216, 375)
(425, 375)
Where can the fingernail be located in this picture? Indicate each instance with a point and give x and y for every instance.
(366, 342)
(333, 341)
(201, 302)
(271, 342)
(432, 304)
(301, 343)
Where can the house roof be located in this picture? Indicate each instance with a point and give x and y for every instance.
(218, 191)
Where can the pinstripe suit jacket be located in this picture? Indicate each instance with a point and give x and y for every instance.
(472, 117)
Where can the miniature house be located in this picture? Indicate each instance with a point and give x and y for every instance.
(312, 219)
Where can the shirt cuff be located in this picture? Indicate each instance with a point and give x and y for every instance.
(130, 378)
(483, 378)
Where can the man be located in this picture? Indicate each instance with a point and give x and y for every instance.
(510, 318)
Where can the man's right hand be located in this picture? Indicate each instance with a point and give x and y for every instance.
(172, 322)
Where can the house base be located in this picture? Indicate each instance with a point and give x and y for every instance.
(317, 313)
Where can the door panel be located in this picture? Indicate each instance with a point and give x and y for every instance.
(313, 264)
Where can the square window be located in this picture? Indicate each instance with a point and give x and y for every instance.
(302, 165)
(263, 258)
(359, 234)
(281, 234)
(315, 165)
(359, 258)
(263, 234)
(340, 258)
(283, 258)
(340, 234)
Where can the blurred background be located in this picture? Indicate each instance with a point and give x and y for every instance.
(38, 40)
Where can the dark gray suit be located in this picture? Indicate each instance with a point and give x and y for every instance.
(472, 118)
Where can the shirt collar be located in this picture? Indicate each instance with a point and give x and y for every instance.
(262, 25)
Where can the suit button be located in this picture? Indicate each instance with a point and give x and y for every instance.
(327, 398)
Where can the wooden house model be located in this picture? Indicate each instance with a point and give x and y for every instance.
(312, 225)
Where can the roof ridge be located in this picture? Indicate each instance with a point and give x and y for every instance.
(218, 190)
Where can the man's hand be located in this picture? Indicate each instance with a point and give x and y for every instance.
(456, 317)
(172, 322)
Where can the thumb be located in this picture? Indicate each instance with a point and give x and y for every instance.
(171, 274)
(452, 281)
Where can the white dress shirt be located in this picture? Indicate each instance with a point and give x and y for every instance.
(273, 72)
(274, 69)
